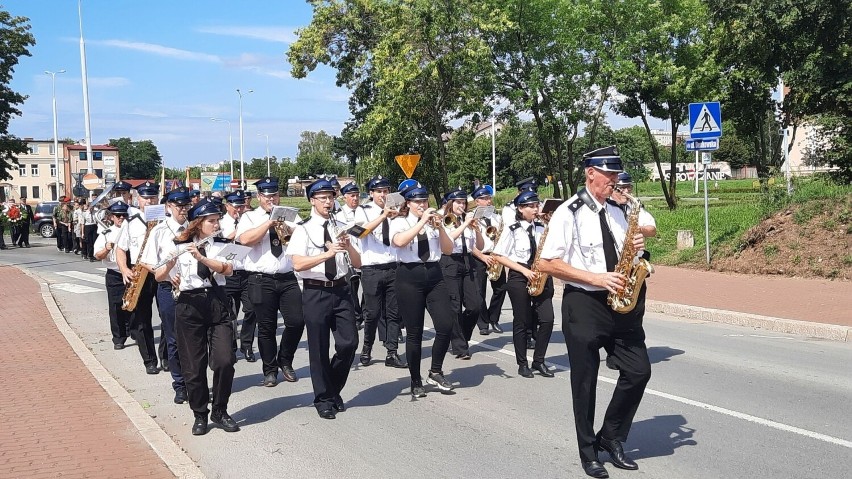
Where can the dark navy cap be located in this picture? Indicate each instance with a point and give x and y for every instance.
(317, 186)
(118, 208)
(457, 194)
(444, 199)
(194, 193)
(624, 179)
(484, 190)
(122, 186)
(148, 189)
(179, 196)
(204, 208)
(415, 192)
(267, 185)
(406, 184)
(526, 197)
(333, 180)
(604, 159)
(527, 184)
(350, 188)
(237, 197)
(378, 182)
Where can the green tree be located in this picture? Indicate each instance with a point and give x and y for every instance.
(316, 155)
(15, 41)
(139, 159)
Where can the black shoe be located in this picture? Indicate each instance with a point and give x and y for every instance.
(595, 469)
(365, 357)
(610, 362)
(485, 332)
(180, 395)
(542, 369)
(85, 257)
(438, 380)
(394, 361)
(165, 365)
(616, 453)
(496, 328)
(270, 380)
(339, 406)
(418, 391)
(91, 258)
(224, 421)
(359, 325)
(289, 374)
(199, 427)
(464, 356)
(152, 369)
(248, 353)
(326, 413)
(530, 343)
(525, 371)
(118, 346)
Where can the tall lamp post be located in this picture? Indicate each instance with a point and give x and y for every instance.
(242, 143)
(230, 145)
(55, 134)
(268, 173)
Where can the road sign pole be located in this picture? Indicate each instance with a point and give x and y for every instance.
(706, 211)
(696, 171)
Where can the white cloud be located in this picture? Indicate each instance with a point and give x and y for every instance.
(159, 50)
(269, 34)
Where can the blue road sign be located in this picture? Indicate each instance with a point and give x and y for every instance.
(705, 120)
(698, 144)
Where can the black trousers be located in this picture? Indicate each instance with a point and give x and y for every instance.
(380, 311)
(354, 285)
(203, 331)
(167, 307)
(15, 233)
(140, 321)
(533, 313)
(464, 299)
(24, 240)
(420, 286)
(491, 314)
(118, 318)
(64, 241)
(589, 324)
(236, 287)
(90, 234)
(268, 296)
(329, 312)
(60, 239)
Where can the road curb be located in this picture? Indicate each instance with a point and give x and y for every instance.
(832, 332)
(172, 455)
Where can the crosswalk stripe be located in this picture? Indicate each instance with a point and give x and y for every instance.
(90, 277)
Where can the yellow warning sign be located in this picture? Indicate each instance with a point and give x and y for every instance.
(408, 163)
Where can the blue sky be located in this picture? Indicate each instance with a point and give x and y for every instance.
(159, 70)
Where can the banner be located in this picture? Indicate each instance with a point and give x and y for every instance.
(718, 170)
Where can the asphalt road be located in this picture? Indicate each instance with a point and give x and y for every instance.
(723, 401)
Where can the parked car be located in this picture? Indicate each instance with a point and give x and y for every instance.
(43, 218)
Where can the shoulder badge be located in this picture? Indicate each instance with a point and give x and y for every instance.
(219, 239)
(514, 226)
(303, 221)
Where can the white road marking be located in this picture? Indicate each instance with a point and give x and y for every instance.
(701, 405)
(90, 277)
(75, 288)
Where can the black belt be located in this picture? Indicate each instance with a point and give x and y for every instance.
(378, 266)
(278, 276)
(414, 264)
(325, 284)
(206, 290)
(113, 272)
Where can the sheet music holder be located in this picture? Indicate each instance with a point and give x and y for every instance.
(284, 213)
(233, 252)
(482, 212)
(155, 212)
(550, 205)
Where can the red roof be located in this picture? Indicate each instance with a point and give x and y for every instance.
(94, 147)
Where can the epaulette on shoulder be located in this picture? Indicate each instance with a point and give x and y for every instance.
(514, 227)
(366, 206)
(537, 223)
(219, 239)
(613, 203)
(303, 221)
(576, 204)
(509, 204)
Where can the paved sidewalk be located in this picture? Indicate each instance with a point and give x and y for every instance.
(57, 419)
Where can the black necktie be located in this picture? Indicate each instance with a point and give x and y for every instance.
(608, 243)
(533, 246)
(423, 247)
(464, 242)
(331, 263)
(386, 232)
(275, 242)
(203, 270)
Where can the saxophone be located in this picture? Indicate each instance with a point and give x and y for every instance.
(140, 273)
(536, 286)
(495, 271)
(635, 270)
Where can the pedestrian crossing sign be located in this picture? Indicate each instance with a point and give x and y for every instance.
(705, 120)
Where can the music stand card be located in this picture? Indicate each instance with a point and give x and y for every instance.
(550, 205)
(483, 212)
(394, 200)
(283, 213)
(233, 252)
(155, 212)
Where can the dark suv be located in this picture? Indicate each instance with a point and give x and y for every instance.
(43, 218)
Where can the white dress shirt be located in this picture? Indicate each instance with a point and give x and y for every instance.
(576, 238)
(468, 236)
(132, 233)
(161, 240)
(109, 235)
(408, 253)
(187, 266)
(309, 240)
(514, 241)
(372, 248)
(261, 259)
(495, 220)
(228, 225)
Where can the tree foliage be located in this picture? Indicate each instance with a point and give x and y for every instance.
(139, 159)
(316, 155)
(15, 41)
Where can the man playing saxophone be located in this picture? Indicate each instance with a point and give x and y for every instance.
(517, 251)
(581, 249)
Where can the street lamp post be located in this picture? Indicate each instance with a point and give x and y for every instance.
(55, 134)
(268, 173)
(242, 143)
(230, 145)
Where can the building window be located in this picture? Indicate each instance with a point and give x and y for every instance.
(51, 149)
(23, 192)
(22, 170)
(33, 147)
(34, 169)
(35, 193)
(99, 172)
(53, 171)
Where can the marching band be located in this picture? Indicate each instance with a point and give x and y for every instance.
(407, 258)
